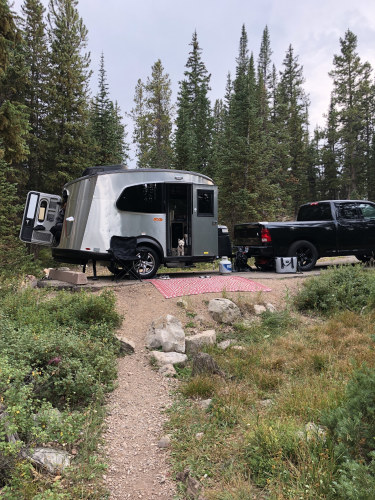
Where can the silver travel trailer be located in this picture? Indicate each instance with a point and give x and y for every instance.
(159, 207)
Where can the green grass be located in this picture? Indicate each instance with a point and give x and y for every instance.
(292, 370)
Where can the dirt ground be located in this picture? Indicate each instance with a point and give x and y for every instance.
(138, 467)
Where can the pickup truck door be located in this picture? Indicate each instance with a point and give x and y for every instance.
(351, 227)
(367, 211)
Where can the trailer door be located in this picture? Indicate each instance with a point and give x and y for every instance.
(40, 214)
(204, 221)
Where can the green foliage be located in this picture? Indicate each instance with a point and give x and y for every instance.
(353, 423)
(67, 131)
(338, 289)
(267, 447)
(352, 427)
(194, 121)
(58, 358)
(152, 117)
(200, 386)
(107, 130)
(272, 324)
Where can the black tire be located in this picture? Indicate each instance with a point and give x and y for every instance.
(306, 254)
(149, 264)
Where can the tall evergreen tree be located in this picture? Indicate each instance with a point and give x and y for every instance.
(330, 180)
(67, 131)
(152, 117)
(292, 111)
(352, 97)
(13, 113)
(13, 133)
(142, 125)
(194, 120)
(264, 61)
(36, 96)
(107, 130)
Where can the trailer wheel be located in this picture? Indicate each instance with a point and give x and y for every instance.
(306, 254)
(149, 263)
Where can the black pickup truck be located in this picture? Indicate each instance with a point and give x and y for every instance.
(322, 229)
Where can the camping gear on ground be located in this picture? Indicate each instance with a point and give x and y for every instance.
(125, 257)
(286, 264)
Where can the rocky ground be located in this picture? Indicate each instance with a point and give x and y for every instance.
(138, 465)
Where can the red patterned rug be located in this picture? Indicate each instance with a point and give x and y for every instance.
(176, 287)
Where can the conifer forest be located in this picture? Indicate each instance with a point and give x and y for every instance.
(255, 142)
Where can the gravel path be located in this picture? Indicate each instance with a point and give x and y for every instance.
(138, 468)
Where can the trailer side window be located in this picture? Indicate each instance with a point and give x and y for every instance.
(144, 198)
(205, 203)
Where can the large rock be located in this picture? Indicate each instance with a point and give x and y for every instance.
(166, 333)
(196, 342)
(169, 358)
(54, 461)
(224, 311)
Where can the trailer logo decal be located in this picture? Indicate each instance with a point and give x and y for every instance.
(158, 219)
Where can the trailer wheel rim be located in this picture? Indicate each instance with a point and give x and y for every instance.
(147, 263)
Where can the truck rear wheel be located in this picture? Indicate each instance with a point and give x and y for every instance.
(149, 263)
(306, 254)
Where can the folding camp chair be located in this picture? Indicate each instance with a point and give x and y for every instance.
(124, 256)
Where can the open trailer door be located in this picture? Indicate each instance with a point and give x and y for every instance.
(39, 216)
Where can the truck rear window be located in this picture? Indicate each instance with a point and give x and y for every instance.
(315, 211)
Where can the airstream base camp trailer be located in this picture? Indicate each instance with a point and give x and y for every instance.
(172, 214)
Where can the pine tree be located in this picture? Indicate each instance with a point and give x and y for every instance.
(107, 130)
(13, 133)
(142, 126)
(13, 113)
(152, 117)
(67, 125)
(35, 96)
(292, 114)
(352, 96)
(194, 120)
(158, 88)
(264, 61)
(330, 182)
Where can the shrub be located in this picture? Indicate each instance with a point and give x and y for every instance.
(57, 359)
(338, 289)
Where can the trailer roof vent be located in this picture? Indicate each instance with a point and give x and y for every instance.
(102, 168)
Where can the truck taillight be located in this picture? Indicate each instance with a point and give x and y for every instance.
(265, 235)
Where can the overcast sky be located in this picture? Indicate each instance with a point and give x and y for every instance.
(134, 35)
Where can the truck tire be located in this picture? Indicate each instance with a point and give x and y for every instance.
(149, 263)
(306, 254)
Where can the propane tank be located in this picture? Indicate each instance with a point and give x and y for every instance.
(225, 266)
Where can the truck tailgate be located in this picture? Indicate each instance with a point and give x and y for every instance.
(248, 234)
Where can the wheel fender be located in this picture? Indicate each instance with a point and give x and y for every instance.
(151, 242)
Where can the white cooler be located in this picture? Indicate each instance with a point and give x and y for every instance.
(286, 264)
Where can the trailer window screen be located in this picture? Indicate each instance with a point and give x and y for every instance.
(205, 203)
(144, 198)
